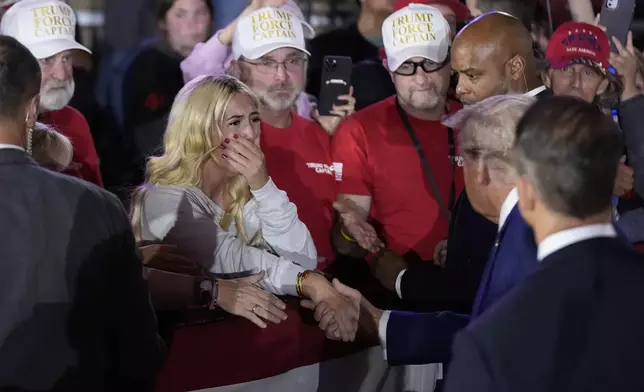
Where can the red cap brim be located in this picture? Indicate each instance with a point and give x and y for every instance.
(566, 62)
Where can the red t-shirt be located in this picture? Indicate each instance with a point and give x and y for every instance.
(376, 157)
(298, 159)
(71, 123)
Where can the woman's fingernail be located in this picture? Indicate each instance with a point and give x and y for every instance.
(226, 140)
(285, 317)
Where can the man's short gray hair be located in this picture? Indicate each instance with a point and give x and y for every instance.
(489, 127)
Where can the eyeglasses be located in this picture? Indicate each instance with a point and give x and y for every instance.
(269, 65)
(409, 68)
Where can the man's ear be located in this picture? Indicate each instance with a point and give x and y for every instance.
(385, 64)
(234, 69)
(516, 67)
(546, 78)
(527, 198)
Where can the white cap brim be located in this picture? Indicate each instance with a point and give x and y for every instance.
(259, 52)
(396, 60)
(43, 50)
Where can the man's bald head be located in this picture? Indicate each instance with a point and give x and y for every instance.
(503, 31)
(494, 53)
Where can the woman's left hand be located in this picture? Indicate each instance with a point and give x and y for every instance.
(338, 113)
(247, 158)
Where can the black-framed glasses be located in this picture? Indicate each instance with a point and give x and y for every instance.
(409, 68)
(270, 65)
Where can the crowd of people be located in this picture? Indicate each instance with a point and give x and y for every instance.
(473, 205)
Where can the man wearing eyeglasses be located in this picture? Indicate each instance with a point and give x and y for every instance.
(395, 162)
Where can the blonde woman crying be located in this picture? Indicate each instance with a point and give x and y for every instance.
(209, 196)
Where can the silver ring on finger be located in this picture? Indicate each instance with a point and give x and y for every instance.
(254, 308)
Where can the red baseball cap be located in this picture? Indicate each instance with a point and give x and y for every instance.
(578, 43)
(460, 10)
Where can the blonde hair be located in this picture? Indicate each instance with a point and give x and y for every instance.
(192, 136)
(50, 148)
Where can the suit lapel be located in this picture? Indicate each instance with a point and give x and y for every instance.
(481, 294)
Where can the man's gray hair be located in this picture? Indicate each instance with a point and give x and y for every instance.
(489, 127)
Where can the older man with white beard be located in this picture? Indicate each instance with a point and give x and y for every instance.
(47, 29)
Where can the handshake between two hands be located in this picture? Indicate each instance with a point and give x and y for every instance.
(337, 311)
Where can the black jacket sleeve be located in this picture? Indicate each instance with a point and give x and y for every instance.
(136, 350)
(631, 117)
(453, 287)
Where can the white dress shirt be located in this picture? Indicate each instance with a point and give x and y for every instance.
(536, 91)
(510, 201)
(557, 241)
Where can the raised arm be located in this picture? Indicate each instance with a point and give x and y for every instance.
(210, 58)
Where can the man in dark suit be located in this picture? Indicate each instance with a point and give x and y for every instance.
(576, 324)
(75, 313)
(487, 133)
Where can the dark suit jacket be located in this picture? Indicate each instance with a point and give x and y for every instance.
(75, 313)
(575, 325)
(512, 259)
(453, 287)
(416, 338)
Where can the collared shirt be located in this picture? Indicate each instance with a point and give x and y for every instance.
(557, 241)
(10, 146)
(510, 201)
(536, 91)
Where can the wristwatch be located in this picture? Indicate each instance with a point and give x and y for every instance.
(208, 292)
